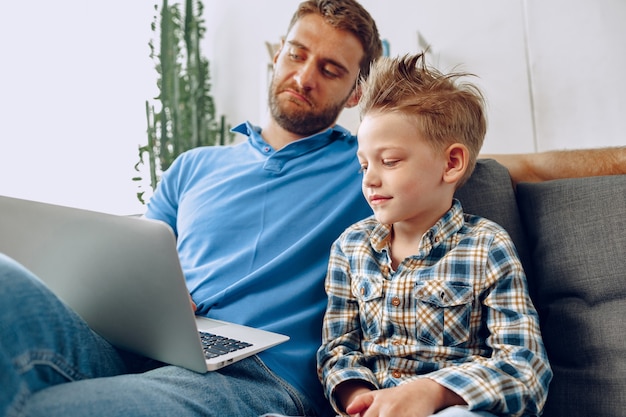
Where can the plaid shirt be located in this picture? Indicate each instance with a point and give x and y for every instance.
(457, 312)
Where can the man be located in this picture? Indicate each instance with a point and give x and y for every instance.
(254, 225)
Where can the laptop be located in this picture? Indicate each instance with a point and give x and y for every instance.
(122, 275)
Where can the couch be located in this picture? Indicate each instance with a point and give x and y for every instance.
(571, 238)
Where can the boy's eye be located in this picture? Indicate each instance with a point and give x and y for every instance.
(390, 162)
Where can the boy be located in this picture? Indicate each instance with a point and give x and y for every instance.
(428, 307)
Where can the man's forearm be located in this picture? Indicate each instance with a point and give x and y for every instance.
(550, 165)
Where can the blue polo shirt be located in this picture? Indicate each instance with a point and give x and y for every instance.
(254, 229)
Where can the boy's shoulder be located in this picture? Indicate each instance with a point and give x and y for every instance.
(475, 226)
(482, 223)
(364, 225)
(359, 230)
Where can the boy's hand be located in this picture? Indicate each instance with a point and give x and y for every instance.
(420, 398)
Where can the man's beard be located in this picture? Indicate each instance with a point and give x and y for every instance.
(304, 122)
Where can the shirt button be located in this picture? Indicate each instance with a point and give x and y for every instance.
(395, 301)
(266, 149)
(396, 374)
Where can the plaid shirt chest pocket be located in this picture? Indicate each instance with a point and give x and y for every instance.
(443, 311)
(369, 292)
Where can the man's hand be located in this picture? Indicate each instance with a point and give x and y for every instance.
(193, 305)
(420, 398)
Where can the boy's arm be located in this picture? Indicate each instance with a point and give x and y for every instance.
(550, 165)
(346, 392)
(339, 356)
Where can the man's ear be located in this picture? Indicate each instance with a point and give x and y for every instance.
(354, 98)
(457, 160)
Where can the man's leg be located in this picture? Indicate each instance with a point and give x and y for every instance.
(245, 388)
(43, 342)
(52, 364)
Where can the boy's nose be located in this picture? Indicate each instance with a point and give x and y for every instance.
(370, 179)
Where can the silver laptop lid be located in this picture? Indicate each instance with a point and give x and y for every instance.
(87, 257)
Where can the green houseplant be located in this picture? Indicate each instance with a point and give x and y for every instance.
(186, 116)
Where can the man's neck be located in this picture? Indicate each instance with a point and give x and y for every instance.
(276, 136)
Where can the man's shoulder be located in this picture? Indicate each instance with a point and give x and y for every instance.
(207, 151)
(202, 154)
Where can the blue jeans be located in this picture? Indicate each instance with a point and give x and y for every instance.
(52, 364)
(457, 411)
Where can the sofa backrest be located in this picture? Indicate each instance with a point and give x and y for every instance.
(576, 231)
(571, 237)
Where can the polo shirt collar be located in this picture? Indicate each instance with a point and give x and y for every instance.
(295, 148)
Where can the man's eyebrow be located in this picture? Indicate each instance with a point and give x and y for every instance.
(330, 61)
(297, 44)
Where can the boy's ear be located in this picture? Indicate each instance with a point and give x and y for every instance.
(457, 160)
(354, 98)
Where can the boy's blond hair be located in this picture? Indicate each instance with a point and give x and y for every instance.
(445, 111)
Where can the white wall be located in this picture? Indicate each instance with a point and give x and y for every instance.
(577, 58)
(75, 75)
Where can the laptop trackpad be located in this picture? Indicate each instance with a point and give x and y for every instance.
(205, 323)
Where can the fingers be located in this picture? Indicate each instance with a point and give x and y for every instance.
(360, 404)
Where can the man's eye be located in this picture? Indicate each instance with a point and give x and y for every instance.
(295, 57)
(330, 73)
(362, 169)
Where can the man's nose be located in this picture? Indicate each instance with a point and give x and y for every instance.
(305, 77)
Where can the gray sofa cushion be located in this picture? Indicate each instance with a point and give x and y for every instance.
(576, 230)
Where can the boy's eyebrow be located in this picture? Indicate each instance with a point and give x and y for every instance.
(327, 60)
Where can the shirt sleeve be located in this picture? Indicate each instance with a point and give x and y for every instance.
(339, 357)
(163, 204)
(514, 379)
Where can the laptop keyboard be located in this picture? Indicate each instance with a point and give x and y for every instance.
(215, 345)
